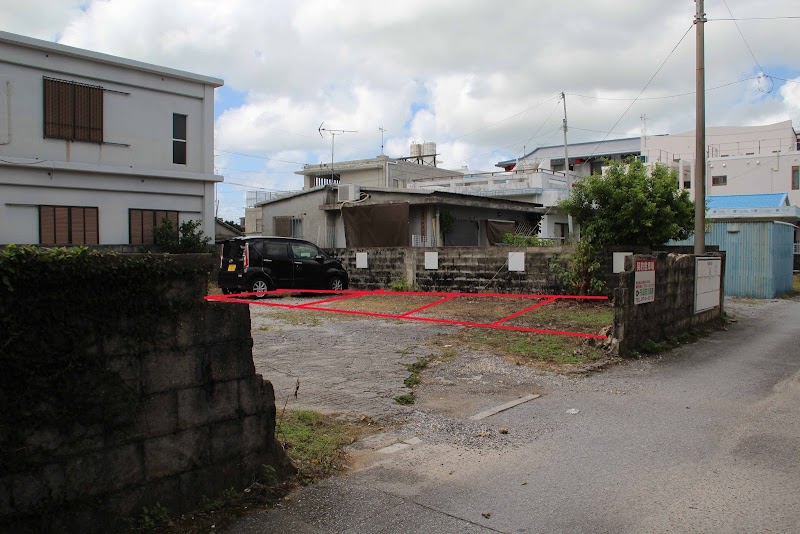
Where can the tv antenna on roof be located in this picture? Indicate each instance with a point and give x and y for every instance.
(383, 131)
(333, 133)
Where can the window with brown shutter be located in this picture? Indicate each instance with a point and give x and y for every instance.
(68, 225)
(287, 226)
(142, 222)
(73, 111)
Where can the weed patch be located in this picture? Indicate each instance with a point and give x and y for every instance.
(315, 442)
(405, 400)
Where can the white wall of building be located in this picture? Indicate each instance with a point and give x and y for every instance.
(133, 168)
(753, 159)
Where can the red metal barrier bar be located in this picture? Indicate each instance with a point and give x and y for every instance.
(526, 310)
(464, 323)
(343, 297)
(430, 305)
(407, 316)
(417, 293)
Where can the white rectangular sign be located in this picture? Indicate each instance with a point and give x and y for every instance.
(644, 281)
(516, 261)
(431, 260)
(707, 283)
(361, 260)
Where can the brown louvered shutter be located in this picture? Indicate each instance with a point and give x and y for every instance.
(62, 225)
(73, 111)
(91, 226)
(147, 227)
(47, 225)
(88, 113)
(282, 226)
(58, 106)
(136, 226)
(77, 226)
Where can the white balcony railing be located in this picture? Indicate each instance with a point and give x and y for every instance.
(423, 241)
(797, 248)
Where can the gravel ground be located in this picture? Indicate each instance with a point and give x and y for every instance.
(356, 366)
(344, 364)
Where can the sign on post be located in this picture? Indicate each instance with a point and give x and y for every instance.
(644, 281)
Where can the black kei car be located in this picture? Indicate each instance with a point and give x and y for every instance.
(250, 264)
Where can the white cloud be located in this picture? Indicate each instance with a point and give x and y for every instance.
(436, 70)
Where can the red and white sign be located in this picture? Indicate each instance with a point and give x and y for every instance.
(644, 281)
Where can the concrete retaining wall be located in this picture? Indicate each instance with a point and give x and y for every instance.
(672, 311)
(202, 421)
(461, 269)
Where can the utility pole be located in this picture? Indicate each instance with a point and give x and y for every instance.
(700, 137)
(566, 163)
(382, 132)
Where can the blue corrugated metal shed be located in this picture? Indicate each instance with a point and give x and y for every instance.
(758, 256)
(766, 200)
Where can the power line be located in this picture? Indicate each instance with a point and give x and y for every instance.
(500, 121)
(754, 18)
(665, 96)
(540, 126)
(784, 79)
(255, 172)
(760, 68)
(566, 163)
(257, 157)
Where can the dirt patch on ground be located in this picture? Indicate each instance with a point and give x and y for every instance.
(360, 365)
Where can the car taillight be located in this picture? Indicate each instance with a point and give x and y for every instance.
(246, 256)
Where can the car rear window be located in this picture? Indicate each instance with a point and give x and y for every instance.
(232, 250)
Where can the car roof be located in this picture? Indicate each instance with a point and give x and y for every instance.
(270, 237)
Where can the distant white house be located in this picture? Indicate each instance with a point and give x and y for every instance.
(97, 149)
(742, 160)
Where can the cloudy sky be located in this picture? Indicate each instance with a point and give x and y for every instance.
(479, 77)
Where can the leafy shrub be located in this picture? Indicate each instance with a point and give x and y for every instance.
(186, 239)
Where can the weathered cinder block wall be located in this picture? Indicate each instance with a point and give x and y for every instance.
(606, 272)
(672, 312)
(461, 269)
(189, 416)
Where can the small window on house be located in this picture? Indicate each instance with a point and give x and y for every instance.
(795, 178)
(68, 225)
(287, 227)
(179, 138)
(687, 185)
(73, 111)
(719, 180)
(142, 222)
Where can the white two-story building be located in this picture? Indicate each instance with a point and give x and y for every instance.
(97, 149)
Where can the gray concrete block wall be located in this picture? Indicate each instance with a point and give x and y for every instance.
(203, 422)
(461, 269)
(672, 311)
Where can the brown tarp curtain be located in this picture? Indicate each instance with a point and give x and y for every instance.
(384, 225)
(496, 229)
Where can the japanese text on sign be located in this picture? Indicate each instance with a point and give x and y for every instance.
(644, 282)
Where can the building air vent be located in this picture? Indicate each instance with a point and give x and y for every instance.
(348, 192)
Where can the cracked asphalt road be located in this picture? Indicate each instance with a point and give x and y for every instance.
(705, 438)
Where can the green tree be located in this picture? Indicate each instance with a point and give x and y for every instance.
(186, 239)
(627, 207)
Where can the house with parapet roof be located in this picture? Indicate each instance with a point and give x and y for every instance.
(98, 150)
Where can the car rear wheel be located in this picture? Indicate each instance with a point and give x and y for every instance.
(336, 283)
(259, 285)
